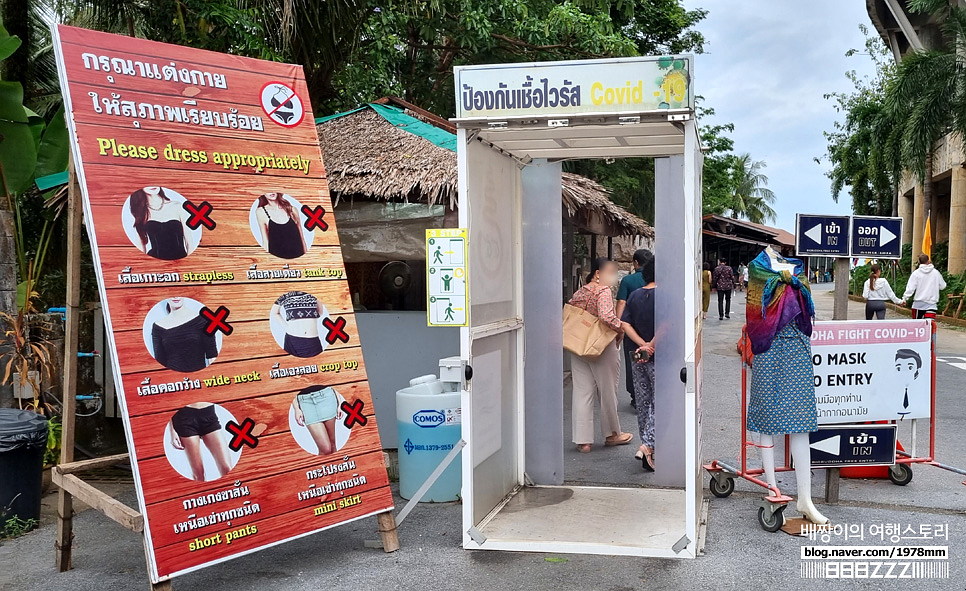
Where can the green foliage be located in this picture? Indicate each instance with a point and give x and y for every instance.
(929, 87)
(865, 149)
(28, 147)
(751, 198)
(55, 431)
(630, 180)
(409, 48)
(354, 51)
(14, 527)
(733, 184)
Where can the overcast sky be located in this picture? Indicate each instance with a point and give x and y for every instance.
(767, 65)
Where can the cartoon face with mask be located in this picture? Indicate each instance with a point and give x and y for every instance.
(908, 365)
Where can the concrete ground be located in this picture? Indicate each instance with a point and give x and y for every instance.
(738, 553)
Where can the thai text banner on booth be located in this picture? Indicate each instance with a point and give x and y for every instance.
(635, 85)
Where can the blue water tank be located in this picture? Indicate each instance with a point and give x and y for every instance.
(429, 427)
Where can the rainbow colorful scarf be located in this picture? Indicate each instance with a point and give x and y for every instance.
(776, 298)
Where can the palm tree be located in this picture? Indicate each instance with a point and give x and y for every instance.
(928, 92)
(751, 199)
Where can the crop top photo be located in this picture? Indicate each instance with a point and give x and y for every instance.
(298, 305)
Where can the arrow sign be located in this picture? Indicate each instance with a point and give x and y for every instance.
(822, 235)
(832, 445)
(815, 234)
(885, 236)
(853, 445)
(876, 237)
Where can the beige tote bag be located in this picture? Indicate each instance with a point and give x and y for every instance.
(585, 334)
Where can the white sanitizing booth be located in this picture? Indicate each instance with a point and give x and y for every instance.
(516, 124)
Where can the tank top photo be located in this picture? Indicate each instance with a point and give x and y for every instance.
(284, 240)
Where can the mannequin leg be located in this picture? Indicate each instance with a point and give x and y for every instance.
(767, 450)
(803, 473)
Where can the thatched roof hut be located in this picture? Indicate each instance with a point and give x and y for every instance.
(366, 156)
(391, 151)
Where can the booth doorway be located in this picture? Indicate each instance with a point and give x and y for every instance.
(515, 494)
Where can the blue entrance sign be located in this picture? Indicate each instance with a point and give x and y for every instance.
(853, 445)
(822, 235)
(876, 237)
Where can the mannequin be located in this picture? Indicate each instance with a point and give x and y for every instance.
(796, 310)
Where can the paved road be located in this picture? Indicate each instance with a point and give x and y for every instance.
(739, 555)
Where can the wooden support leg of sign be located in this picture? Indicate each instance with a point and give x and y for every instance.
(64, 475)
(65, 509)
(388, 532)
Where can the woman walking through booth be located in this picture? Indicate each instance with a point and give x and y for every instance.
(638, 324)
(597, 376)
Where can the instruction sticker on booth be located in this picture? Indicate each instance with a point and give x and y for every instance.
(446, 279)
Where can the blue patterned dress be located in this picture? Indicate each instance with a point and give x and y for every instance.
(783, 386)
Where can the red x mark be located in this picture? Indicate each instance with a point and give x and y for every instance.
(314, 218)
(336, 330)
(216, 320)
(353, 414)
(241, 434)
(199, 215)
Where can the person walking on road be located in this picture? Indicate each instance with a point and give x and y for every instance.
(723, 280)
(926, 283)
(628, 285)
(595, 377)
(876, 291)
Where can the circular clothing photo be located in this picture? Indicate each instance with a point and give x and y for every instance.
(315, 419)
(196, 444)
(296, 322)
(276, 220)
(154, 220)
(176, 335)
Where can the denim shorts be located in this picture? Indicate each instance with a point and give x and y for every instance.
(319, 405)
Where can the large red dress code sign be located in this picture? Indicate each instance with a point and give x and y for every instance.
(239, 368)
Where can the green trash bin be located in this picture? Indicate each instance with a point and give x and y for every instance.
(23, 440)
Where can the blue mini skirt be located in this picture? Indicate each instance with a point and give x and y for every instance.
(319, 405)
(783, 386)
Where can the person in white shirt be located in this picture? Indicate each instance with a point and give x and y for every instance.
(876, 291)
(926, 282)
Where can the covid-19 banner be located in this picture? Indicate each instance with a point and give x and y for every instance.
(235, 350)
(872, 370)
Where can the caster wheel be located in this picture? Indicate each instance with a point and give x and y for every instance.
(773, 522)
(900, 474)
(722, 488)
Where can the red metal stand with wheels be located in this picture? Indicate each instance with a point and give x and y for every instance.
(723, 475)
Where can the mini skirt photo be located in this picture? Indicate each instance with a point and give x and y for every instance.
(783, 386)
(319, 405)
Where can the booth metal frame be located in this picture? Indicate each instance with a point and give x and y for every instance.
(514, 493)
